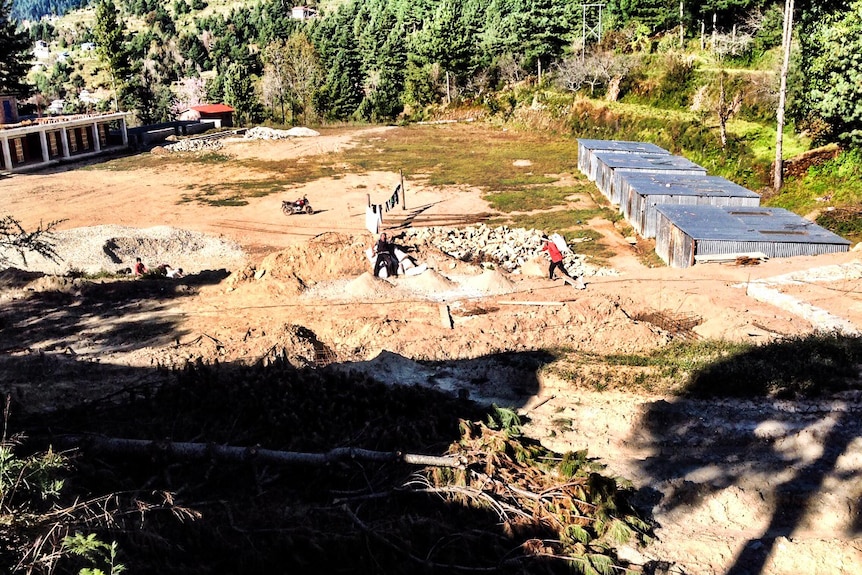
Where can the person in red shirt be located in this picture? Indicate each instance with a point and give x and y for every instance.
(139, 269)
(556, 258)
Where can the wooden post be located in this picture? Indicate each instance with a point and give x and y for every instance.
(368, 200)
(403, 192)
(446, 317)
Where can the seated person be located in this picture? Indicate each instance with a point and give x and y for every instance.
(139, 269)
(385, 257)
(173, 273)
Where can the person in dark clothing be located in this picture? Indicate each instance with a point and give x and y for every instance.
(556, 258)
(385, 256)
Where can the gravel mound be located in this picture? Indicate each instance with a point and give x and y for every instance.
(429, 281)
(491, 282)
(264, 133)
(111, 248)
(194, 146)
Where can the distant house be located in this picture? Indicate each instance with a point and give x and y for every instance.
(41, 49)
(302, 13)
(218, 114)
(88, 46)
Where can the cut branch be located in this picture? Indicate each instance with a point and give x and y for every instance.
(196, 451)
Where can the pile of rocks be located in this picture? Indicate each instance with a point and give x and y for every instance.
(509, 248)
(264, 133)
(194, 145)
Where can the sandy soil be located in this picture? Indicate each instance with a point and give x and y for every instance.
(736, 487)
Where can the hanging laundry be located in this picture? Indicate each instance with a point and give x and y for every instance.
(372, 219)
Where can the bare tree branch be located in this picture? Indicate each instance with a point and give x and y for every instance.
(15, 240)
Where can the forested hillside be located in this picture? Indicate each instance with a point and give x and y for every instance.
(35, 9)
(713, 64)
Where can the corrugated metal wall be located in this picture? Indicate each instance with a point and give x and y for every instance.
(640, 210)
(678, 248)
(587, 147)
(771, 249)
(619, 173)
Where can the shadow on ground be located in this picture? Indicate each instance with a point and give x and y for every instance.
(209, 515)
(781, 460)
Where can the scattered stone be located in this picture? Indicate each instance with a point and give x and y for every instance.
(264, 133)
(509, 248)
(191, 145)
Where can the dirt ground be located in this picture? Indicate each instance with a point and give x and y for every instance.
(769, 487)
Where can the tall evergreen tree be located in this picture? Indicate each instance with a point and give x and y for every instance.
(109, 33)
(831, 44)
(16, 55)
(239, 91)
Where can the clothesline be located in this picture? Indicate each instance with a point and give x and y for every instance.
(374, 212)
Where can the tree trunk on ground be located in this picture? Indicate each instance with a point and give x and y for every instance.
(196, 451)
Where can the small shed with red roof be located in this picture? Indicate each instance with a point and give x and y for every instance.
(219, 114)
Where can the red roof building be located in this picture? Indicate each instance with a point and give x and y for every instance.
(219, 114)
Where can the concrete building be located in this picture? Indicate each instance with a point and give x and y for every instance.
(42, 142)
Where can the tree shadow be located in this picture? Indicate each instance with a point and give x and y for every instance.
(346, 516)
(779, 421)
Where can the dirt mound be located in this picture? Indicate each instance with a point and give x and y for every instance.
(429, 281)
(16, 278)
(536, 267)
(94, 249)
(368, 286)
(327, 257)
(491, 282)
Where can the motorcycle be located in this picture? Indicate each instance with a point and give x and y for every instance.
(297, 206)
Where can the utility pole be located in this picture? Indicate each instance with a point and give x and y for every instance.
(591, 25)
(786, 40)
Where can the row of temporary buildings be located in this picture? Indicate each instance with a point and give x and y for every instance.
(693, 216)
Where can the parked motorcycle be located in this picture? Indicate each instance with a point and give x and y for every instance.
(299, 206)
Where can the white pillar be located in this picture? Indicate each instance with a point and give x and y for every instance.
(7, 155)
(64, 140)
(43, 140)
(97, 145)
(124, 131)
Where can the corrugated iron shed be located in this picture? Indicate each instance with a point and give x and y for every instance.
(640, 193)
(587, 147)
(611, 166)
(684, 232)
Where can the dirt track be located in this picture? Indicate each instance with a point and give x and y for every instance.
(737, 487)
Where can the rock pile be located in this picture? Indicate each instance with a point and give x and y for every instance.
(264, 133)
(194, 146)
(510, 248)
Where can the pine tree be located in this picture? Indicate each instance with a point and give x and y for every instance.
(15, 48)
(109, 34)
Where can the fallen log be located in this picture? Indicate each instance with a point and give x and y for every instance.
(196, 451)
